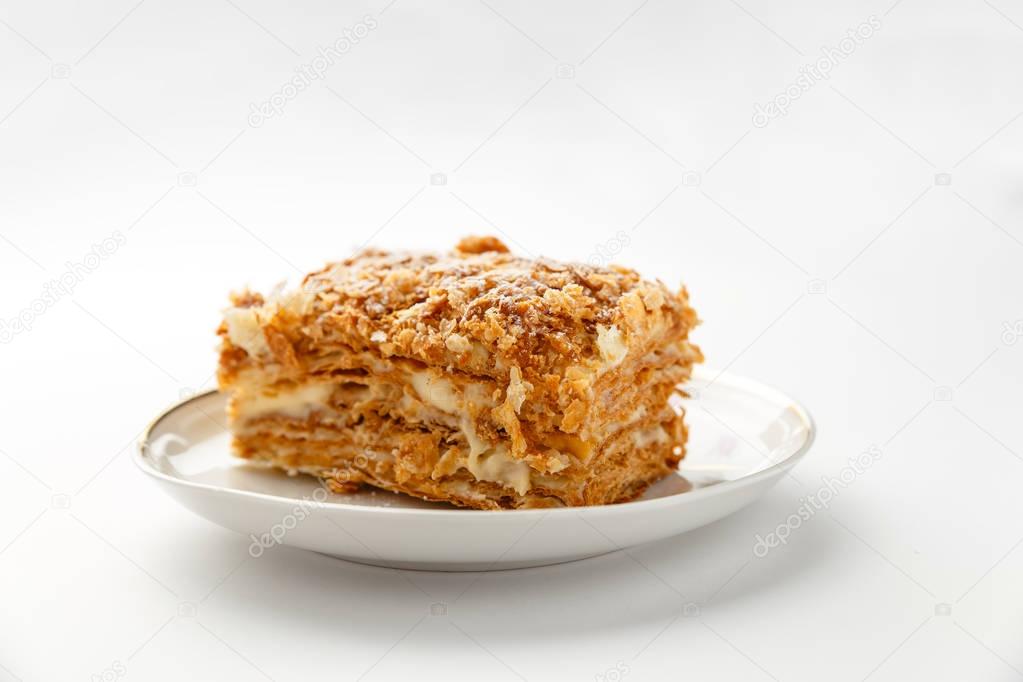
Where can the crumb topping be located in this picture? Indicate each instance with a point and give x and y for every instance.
(478, 309)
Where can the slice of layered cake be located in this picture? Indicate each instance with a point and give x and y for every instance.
(477, 378)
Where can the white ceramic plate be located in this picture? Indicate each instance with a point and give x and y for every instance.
(744, 438)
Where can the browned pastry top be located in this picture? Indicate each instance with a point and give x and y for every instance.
(481, 309)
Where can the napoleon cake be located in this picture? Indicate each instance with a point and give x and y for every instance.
(477, 377)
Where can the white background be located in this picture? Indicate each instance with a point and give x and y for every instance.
(133, 117)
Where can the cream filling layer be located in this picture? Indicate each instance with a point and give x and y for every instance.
(245, 326)
(298, 403)
(655, 435)
(486, 461)
(245, 330)
(612, 346)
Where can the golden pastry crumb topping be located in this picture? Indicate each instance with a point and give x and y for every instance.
(479, 309)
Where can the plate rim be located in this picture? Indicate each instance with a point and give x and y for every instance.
(144, 463)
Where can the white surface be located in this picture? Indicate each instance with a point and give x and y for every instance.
(101, 572)
(746, 437)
